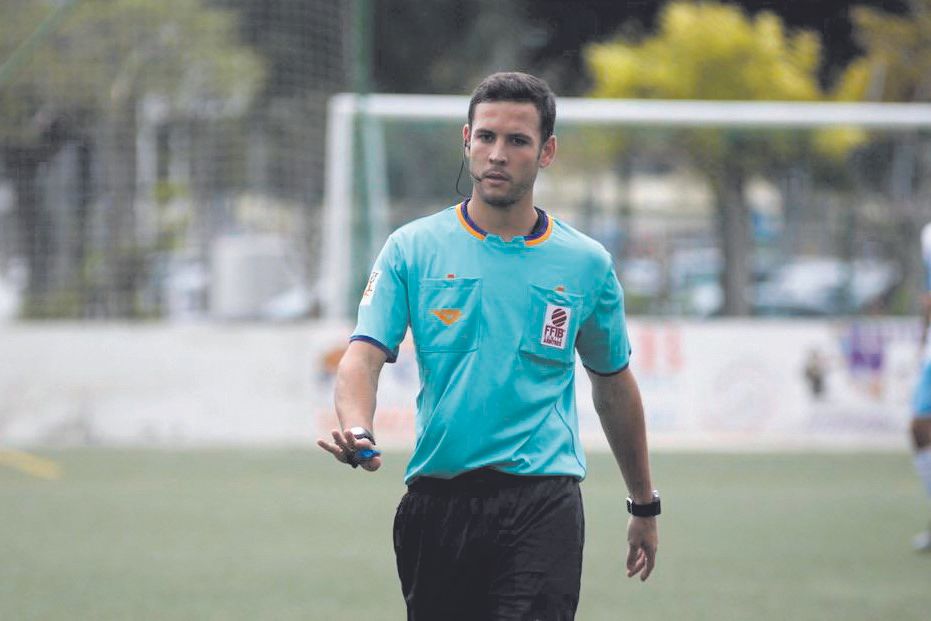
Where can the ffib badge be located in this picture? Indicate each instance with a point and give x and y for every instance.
(555, 326)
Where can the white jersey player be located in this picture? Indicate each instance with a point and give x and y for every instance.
(921, 402)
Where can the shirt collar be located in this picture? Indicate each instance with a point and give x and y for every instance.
(538, 234)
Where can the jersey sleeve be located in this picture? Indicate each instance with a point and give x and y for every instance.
(602, 341)
(383, 310)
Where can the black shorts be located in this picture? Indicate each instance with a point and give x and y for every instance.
(490, 546)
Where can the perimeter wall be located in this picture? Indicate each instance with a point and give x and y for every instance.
(728, 385)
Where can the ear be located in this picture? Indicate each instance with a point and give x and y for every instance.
(548, 152)
(466, 137)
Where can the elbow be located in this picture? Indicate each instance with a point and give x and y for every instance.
(354, 370)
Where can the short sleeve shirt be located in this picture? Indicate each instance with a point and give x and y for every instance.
(496, 326)
(926, 261)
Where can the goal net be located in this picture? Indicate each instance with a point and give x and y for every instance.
(805, 208)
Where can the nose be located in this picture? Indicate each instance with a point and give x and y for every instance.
(496, 154)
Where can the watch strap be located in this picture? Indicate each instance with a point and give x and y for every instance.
(650, 509)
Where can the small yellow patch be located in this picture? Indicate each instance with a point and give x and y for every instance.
(448, 316)
(30, 464)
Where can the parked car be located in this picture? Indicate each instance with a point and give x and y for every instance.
(817, 286)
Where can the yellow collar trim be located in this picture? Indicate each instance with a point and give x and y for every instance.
(465, 224)
(546, 233)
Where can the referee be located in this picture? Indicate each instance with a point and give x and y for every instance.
(499, 297)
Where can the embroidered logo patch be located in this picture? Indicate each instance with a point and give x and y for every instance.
(554, 326)
(369, 292)
(448, 316)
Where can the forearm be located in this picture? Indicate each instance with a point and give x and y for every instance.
(619, 406)
(355, 394)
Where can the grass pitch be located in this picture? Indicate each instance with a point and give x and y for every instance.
(255, 534)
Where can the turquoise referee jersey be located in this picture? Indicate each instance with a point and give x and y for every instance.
(496, 326)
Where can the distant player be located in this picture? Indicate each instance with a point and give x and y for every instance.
(921, 406)
(499, 296)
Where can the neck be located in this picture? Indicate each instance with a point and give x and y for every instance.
(505, 222)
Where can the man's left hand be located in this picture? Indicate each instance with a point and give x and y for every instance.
(642, 540)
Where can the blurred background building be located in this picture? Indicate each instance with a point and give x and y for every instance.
(167, 159)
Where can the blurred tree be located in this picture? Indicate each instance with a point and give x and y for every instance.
(447, 46)
(443, 46)
(897, 61)
(714, 51)
(302, 42)
(896, 66)
(85, 85)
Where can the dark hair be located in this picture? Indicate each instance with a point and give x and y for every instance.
(520, 87)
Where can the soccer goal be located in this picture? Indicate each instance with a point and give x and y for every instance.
(691, 197)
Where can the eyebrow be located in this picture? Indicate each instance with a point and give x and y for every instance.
(482, 130)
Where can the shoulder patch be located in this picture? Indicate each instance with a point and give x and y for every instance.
(369, 293)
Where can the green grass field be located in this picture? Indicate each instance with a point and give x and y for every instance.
(251, 534)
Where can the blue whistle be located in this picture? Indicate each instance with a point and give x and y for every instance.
(367, 454)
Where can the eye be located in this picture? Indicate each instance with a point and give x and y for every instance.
(483, 137)
(519, 140)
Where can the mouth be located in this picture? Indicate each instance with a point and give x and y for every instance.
(496, 176)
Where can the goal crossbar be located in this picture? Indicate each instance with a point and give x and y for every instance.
(345, 108)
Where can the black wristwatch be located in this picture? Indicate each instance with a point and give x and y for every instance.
(359, 433)
(649, 509)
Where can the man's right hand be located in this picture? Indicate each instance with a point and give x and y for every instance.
(642, 543)
(345, 444)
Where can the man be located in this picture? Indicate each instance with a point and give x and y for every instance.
(499, 297)
(921, 405)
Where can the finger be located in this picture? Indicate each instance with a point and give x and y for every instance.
(332, 449)
(357, 444)
(340, 440)
(633, 568)
(633, 553)
(351, 441)
(649, 556)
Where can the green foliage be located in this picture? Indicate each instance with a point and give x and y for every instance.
(110, 51)
(84, 81)
(20, 98)
(897, 64)
(710, 51)
(715, 51)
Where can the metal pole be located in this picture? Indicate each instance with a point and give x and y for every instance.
(337, 215)
(361, 240)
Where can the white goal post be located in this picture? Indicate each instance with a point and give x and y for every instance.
(346, 109)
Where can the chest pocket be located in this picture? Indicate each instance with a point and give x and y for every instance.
(449, 314)
(552, 324)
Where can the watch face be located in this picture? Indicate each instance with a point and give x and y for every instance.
(362, 432)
